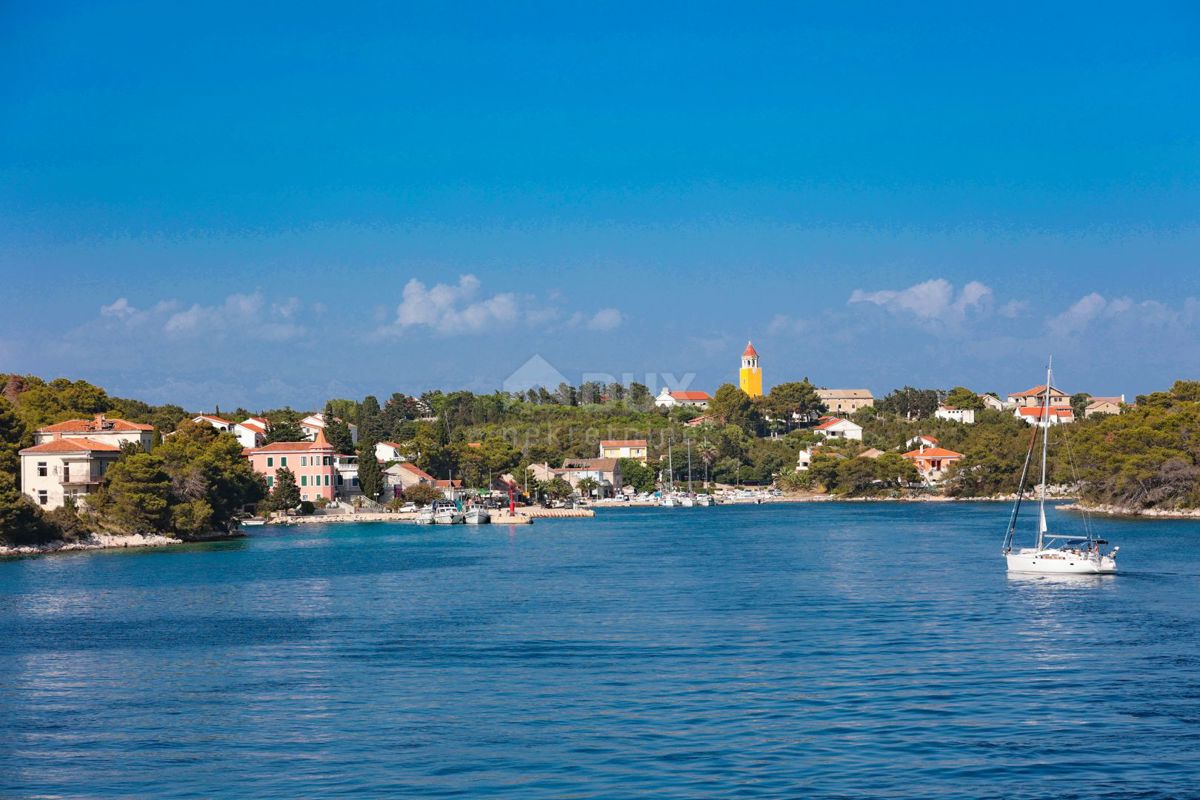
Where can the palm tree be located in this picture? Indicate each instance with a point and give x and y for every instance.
(708, 454)
(587, 486)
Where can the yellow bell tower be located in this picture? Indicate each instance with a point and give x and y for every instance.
(750, 376)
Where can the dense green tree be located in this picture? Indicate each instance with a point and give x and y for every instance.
(636, 474)
(13, 436)
(208, 471)
(639, 397)
(911, 403)
(794, 400)
(557, 488)
(21, 522)
(370, 475)
(135, 496)
(962, 397)
(1079, 403)
(285, 494)
(338, 434)
(587, 486)
(422, 494)
(734, 407)
(283, 425)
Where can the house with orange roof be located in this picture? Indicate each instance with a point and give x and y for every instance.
(1039, 415)
(1104, 405)
(99, 428)
(219, 423)
(389, 451)
(316, 422)
(251, 432)
(65, 467)
(312, 464)
(625, 448)
(402, 475)
(838, 428)
(1037, 397)
(933, 463)
(669, 399)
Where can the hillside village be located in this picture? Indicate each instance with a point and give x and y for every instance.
(796, 436)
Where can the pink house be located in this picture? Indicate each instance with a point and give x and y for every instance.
(310, 462)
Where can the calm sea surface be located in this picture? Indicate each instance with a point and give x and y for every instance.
(769, 651)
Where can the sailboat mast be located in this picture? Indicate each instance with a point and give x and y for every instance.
(689, 444)
(670, 466)
(1045, 450)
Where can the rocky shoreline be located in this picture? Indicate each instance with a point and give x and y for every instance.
(105, 541)
(1138, 513)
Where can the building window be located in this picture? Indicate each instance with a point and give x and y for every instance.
(270, 481)
(340, 480)
(304, 461)
(326, 480)
(304, 480)
(43, 498)
(354, 481)
(41, 469)
(283, 461)
(270, 461)
(328, 461)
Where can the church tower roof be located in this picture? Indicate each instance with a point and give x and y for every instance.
(750, 351)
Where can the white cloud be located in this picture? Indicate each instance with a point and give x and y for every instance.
(1094, 308)
(119, 308)
(606, 319)
(463, 308)
(933, 301)
(243, 314)
(454, 308)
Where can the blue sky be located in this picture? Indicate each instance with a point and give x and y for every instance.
(213, 205)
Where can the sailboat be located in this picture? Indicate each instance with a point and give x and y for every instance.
(689, 499)
(1057, 553)
(669, 500)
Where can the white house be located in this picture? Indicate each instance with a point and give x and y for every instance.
(251, 432)
(804, 460)
(668, 399)
(389, 451)
(211, 419)
(964, 415)
(316, 422)
(1058, 415)
(838, 428)
(69, 459)
(992, 402)
(923, 440)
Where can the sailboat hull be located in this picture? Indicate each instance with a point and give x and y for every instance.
(1061, 562)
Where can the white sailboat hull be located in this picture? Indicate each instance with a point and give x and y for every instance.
(1061, 561)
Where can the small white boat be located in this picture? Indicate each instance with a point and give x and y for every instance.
(447, 514)
(424, 517)
(705, 500)
(687, 501)
(668, 501)
(477, 516)
(1053, 553)
(253, 522)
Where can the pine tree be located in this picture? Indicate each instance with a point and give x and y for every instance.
(285, 494)
(370, 476)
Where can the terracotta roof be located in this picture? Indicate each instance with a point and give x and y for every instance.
(870, 452)
(933, 452)
(71, 446)
(453, 484)
(623, 443)
(1036, 391)
(749, 351)
(414, 469)
(252, 425)
(693, 396)
(590, 464)
(98, 424)
(853, 394)
(293, 447)
(212, 418)
(930, 439)
(1055, 411)
(830, 422)
(1116, 401)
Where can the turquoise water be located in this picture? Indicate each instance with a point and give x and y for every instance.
(811, 650)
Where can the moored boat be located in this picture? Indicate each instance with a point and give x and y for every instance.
(1053, 553)
(477, 516)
